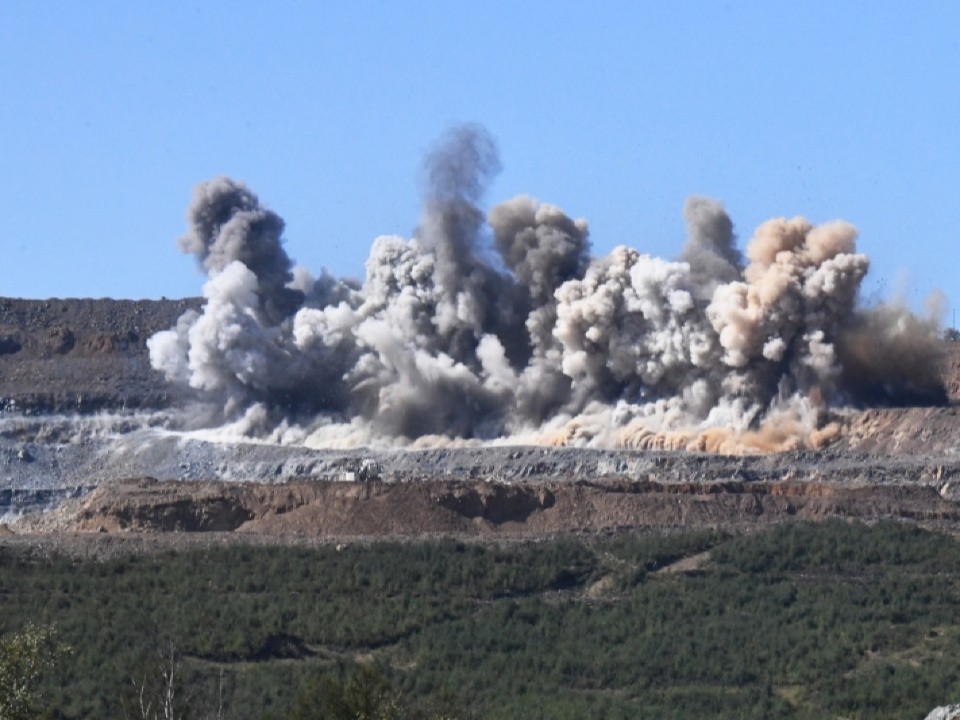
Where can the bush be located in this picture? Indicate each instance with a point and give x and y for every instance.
(24, 658)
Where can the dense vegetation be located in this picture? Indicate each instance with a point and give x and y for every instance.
(800, 621)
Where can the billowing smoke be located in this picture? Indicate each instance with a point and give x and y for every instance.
(503, 327)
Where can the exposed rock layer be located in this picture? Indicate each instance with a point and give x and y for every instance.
(82, 355)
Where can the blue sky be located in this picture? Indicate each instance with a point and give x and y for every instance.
(110, 113)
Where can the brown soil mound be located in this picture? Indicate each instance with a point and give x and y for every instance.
(329, 510)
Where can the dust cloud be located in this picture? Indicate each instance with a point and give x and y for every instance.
(502, 327)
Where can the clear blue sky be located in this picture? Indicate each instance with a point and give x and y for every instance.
(110, 113)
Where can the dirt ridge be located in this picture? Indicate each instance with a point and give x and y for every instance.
(330, 510)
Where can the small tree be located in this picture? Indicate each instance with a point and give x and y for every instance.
(158, 692)
(366, 695)
(24, 658)
(162, 692)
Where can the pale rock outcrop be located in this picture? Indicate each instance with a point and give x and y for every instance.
(946, 712)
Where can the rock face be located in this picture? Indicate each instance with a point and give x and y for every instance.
(82, 355)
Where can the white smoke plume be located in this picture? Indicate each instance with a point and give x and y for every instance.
(503, 327)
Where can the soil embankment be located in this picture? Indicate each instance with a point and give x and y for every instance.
(332, 510)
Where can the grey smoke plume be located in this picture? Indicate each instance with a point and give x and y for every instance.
(228, 224)
(711, 249)
(482, 328)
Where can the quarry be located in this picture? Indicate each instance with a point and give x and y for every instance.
(90, 442)
(487, 376)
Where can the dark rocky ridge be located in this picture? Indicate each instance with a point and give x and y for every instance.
(83, 355)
